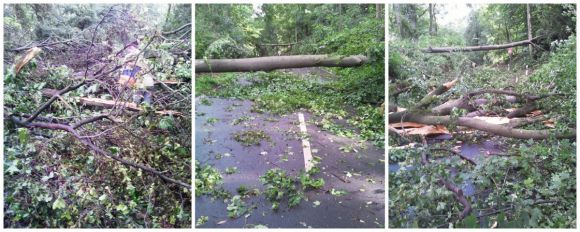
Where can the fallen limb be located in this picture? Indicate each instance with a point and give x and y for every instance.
(276, 62)
(527, 108)
(457, 192)
(478, 48)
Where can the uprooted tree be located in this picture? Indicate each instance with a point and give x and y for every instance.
(105, 159)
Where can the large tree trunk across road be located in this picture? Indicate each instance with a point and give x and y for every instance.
(276, 62)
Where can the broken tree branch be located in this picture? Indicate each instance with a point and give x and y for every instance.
(53, 98)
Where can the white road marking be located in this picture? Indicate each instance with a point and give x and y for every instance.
(308, 164)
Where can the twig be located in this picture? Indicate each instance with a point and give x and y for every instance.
(176, 30)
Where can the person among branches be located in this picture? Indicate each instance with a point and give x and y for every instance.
(135, 76)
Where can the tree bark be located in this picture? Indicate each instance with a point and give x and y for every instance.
(477, 48)
(276, 62)
(529, 28)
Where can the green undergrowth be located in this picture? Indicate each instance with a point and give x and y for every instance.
(283, 93)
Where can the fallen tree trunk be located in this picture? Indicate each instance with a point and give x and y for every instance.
(480, 125)
(478, 48)
(277, 62)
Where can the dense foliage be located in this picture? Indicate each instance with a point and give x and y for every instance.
(51, 179)
(531, 183)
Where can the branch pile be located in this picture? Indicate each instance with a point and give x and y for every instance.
(440, 114)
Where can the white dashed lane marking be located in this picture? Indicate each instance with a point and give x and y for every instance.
(305, 143)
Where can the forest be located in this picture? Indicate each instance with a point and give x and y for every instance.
(97, 116)
(289, 123)
(482, 116)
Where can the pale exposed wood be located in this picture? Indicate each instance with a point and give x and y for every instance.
(128, 105)
(110, 103)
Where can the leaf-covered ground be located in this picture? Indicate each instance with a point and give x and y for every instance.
(249, 157)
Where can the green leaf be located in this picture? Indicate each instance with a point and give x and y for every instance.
(103, 197)
(13, 169)
(59, 204)
(529, 182)
(335, 192)
(123, 208)
(114, 150)
(470, 222)
(23, 135)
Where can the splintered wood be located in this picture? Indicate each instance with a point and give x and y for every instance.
(411, 128)
(128, 105)
(31, 53)
(99, 102)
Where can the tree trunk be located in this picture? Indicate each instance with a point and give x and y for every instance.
(414, 18)
(168, 13)
(397, 10)
(276, 62)
(529, 28)
(431, 19)
(477, 48)
(378, 10)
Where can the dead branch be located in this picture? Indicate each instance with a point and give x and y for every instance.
(93, 39)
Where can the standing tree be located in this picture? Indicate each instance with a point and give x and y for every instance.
(529, 27)
(432, 20)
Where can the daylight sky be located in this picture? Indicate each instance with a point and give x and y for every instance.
(455, 16)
